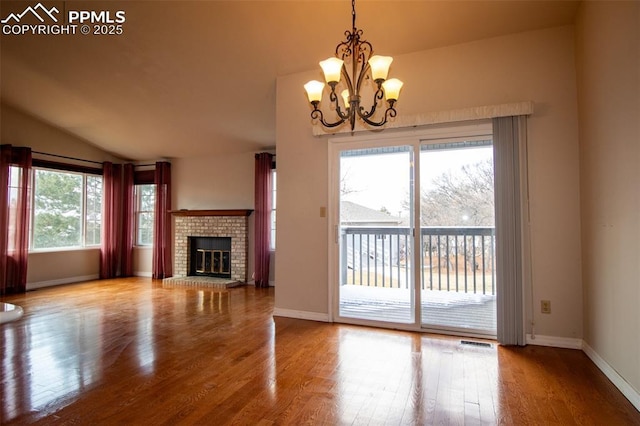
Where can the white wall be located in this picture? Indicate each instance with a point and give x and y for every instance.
(534, 66)
(608, 47)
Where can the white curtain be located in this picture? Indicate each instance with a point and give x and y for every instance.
(510, 168)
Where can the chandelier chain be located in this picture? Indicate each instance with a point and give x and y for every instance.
(353, 15)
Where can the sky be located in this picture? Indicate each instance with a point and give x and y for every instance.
(383, 180)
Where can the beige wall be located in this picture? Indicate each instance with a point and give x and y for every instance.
(143, 261)
(208, 183)
(216, 183)
(19, 129)
(59, 267)
(534, 66)
(608, 47)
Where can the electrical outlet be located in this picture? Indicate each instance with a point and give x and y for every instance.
(545, 306)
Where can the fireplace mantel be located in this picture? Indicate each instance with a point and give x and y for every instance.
(185, 212)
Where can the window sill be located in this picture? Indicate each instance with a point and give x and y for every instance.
(63, 249)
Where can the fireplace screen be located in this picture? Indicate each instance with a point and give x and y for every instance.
(213, 262)
(210, 256)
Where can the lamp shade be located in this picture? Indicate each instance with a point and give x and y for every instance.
(392, 88)
(314, 90)
(331, 68)
(380, 66)
(345, 98)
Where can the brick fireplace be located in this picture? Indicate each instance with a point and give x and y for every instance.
(233, 224)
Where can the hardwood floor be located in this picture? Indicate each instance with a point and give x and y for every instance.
(131, 351)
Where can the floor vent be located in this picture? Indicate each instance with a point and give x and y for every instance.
(471, 342)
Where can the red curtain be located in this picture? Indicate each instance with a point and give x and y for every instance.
(162, 223)
(15, 205)
(128, 221)
(263, 188)
(111, 219)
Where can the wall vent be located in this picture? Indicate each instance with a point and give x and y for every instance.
(471, 342)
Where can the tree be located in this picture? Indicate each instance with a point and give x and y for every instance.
(345, 187)
(462, 197)
(57, 209)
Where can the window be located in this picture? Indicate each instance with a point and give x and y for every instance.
(67, 208)
(145, 200)
(273, 209)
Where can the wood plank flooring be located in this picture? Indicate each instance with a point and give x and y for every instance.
(133, 352)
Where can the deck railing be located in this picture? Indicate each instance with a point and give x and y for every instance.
(460, 259)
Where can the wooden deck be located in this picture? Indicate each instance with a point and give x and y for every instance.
(134, 352)
(473, 313)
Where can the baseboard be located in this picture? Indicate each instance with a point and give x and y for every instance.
(553, 341)
(253, 282)
(305, 315)
(142, 274)
(618, 381)
(61, 281)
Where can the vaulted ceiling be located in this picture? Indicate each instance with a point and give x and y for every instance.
(194, 78)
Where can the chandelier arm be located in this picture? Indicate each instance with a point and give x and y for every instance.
(374, 123)
(343, 49)
(362, 76)
(365, 51)
(389, 113)
(316, 114)
(376, 97)
(349, 83)
(342, 115)
(334, 99)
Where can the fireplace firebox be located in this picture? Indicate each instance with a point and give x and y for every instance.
(210, 256)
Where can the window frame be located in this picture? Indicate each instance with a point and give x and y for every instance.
(85, 208)
(84, 173)
(273, 216)
(137, 213)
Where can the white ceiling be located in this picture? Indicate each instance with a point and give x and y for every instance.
(193, 78)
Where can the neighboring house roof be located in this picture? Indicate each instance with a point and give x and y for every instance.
(355, 213)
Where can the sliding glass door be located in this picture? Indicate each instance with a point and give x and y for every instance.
(375, 238)
(413, 232)
(457, 237)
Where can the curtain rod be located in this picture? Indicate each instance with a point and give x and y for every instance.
(81, 159)
(65, 157)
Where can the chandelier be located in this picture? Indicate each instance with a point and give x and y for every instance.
(359, 53)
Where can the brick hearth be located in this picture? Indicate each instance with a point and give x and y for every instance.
(212, 223)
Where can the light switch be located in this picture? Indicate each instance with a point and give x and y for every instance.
(323, 212)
